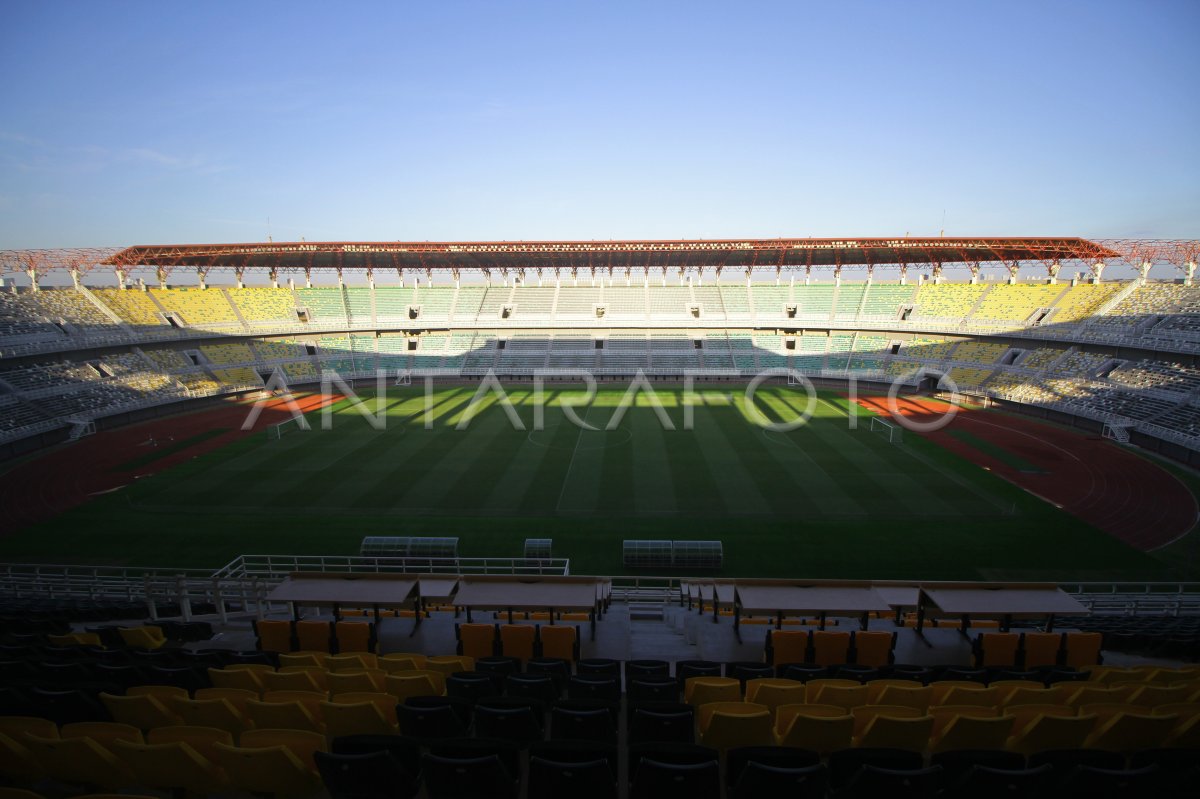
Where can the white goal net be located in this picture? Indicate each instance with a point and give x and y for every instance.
(277, 431)
(893, 432)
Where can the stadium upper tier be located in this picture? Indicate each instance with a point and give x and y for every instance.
(1122, 353)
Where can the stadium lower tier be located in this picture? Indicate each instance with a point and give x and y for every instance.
(247, 701)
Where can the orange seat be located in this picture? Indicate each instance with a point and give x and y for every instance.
(516, 641)
(476, 640)
(560, 641)
(788, 646)
(1041, 649)
(354, 636)
(830, 648)
(1083, 649)
(274, 635)
(997, 649)
(874, 648)
(314, 635)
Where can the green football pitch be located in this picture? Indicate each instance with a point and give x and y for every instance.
(823, 500)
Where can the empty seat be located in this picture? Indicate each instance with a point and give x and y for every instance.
(890, 732)
(472, 685)
(823, 730)
(702, 690)
(997, 649)
(1127, 732)
(1046, 732)
(773, 692)
(580, 724)
(901, 692)
(349, 661)
(143, 712)
(656, 779)
(652, 689)
(78, 760)
(418, 682)
(560, 641)
(344, 682)
(369, 775)
(798, 782)
(542, 687)
(580, 779)
(606, 689)
(972, 732)
(872, 782)
(454, 777)
(354, 636)
(1082, 649)
(266, 769)
(144, 637)
(359, 718)
(314, 636)
(516, 641)
(273, 635)
(722, 725)
(511, 720)
(1040, 649)
(788, 646)
(874, 648)
(662, 724)
(477, 640)
(843, 696)
(864, 713)
(171, 766)
(830, 648)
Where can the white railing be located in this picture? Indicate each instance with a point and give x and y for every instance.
(277, 567)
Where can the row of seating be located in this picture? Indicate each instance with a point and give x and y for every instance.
(314, 635)
(520, 641)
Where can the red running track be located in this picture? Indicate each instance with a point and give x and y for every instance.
(47, 485)
(1107, 486)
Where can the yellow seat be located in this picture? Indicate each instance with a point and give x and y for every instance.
(269, 770)
(360, 718)
(354, 661)
(774, 692)
(998, 649)
(724, 725)
(1088, 694)
(1024, 715)
(516, 641)
(873, 648)
(476, 640)
(201, 739)
(560, 641)
(448, 664)
(174, 766)
(830, 648)
(972, 732)
(1186, 734)
(943, 687)
(843, 696)
(864, 713)
(310, 699)
(1185, 710)
(18, 793)
(702, 690)
(15, 727)
(293, 715)
(788, 646)
(805, 727)
(344, 682)
(1041, 649)
(814, 687)
(17, 762)
(78, 760)
(977, 695)
(385, 702)
(75, 639)
(354, 636)
(1046, 732)
(1031, 696)
(294, 678)
(217, 713)
(401, 661)
(416, 682)
(1128, 732)
(273, 635)
(942, 714)
(145, 637)
(1007, 687)
(300, 743)
(1082, 649)
(312, 660)
(244, 679)
(1152, 695)
(104, 733)
(314, 635)
(911, 734)
(900, 692)
(144, 712)
(238, 697)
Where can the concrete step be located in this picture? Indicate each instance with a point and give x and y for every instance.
(645, 611)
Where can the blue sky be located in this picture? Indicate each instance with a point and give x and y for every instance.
(129, 122)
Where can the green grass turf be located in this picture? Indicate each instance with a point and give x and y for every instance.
(820, 501)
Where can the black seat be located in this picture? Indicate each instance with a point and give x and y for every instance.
(1088, 782)
(185, 677)
(438, 721)
(676, 725)
(761, 780)
(580, 779)
(956, 763)
(1064, 761)
(70, 672)
(578, 724)
(685, 669)
(872, 781)
(464, 709)
(737, 758)
(370, 775)
(801, 671)
(599, 667)
(457, 777)
(542, 687)
(908, 671)
(747, 670)
(557, 668)
(646, 668)
(575, 752)
(607, 689)
(845, 763)
(65, 705)
(498, 664)
(657, 779)
(125, 675)
(513, 720)
(405, 750)
(652, 689)
(471, 685)
(984, 782)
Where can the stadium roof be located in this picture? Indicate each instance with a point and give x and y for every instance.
(612, 255)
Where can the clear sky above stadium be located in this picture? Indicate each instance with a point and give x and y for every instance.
(140, 122)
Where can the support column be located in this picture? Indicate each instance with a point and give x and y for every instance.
(937, 274)
(202, 277)
(274, 275)
(240, 272)
(975, 270)
(1052, 272)
(371, 278)
(837, 275)
(75, 277)
(1144, 272)
(33, 279)
(1189, 272)
(807, 274)
(1097, 272)
(120, 273)
(903, 274)
(341, 281)
(1014, 272)
(308, 277)
(161, 274)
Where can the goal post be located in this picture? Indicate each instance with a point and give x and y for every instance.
(893, 432)
(281, 429)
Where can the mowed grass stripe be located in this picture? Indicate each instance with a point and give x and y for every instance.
(796, 454)
(725, 485)
(641, 436)
(560, 436)
(580, 486)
